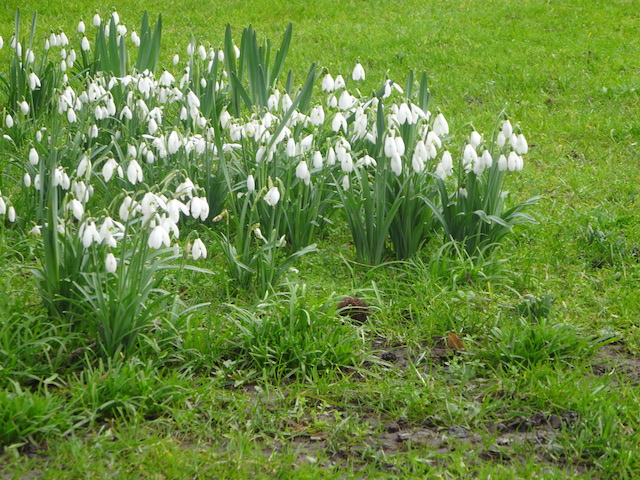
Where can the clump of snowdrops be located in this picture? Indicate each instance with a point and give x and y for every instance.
(123, 164)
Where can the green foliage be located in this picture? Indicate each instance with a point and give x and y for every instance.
(528, 344)
(253, 62)
(291, 335)
(31, 348)
(119, 306)
(149, 49)
(27, 416)
(125, 389)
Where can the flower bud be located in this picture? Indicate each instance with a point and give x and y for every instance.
(358, 73)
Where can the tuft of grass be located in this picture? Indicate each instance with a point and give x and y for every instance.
(27, 416)
(293, 335)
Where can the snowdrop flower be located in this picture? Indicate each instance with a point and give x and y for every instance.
(501, 139)
(486, 159)
(128, 207)
(158, 237)
(346, 101)
(440, 171)
(176, 59)
(83, 166)
(339, 122)
(81, 191)
(367, 161)
(360, 124)
(126, 113)
(71, 115)
(202, 52)
(512, 161)
(173, 144)
(328, 84)
(302, 172)
(61, 178)
(258, 233)
(272, 102)
(90, 235)
(3, 206)
(447, 164)
(108, 168)
(110, 263)
(185, 189)
(316, 116)
(317, 159)
(522, 147)
(34, 81)
(396, 164)
(345, 182)
(152, 126)
(346, 161)
(331, 157)
(76, 208)
(420, 155)
(199, 208)
(81, 27)
(1, 43)
(134, 172)
(469, 156)
(405, 115)
(174, 207)
(286, 102)
(251, 184)
(507, 129)
(272, 197)
(199, 250)
(84, 44)
(502, 163)
(27, 180)
(8, 121)
(34, 158)
(513, 140)
(135, 39)
(475, 139)
(417, 113)
(387, 90)
(440, 126)
(150, 204)
(24, 107)
(431, 143)
(399, 145)
(358, 72)
(306, 143)
(339, 83)
(11, 214)
(291, 148)
(169, 226)
(390, 147)
(35, 231)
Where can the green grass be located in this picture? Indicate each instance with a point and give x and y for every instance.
(195, 402)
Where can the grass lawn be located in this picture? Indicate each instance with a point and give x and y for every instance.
(520, 364)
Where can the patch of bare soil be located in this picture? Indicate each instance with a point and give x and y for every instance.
(613, 359)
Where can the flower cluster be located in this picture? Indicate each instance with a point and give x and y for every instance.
(134, 152)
